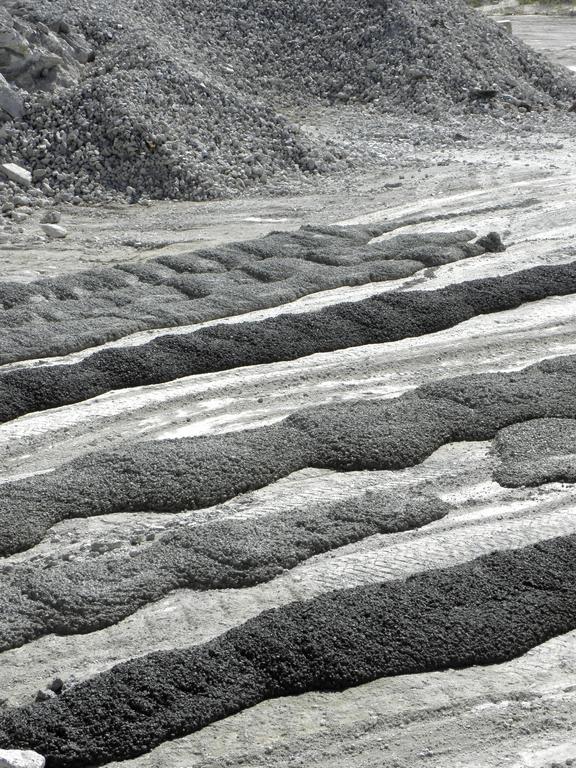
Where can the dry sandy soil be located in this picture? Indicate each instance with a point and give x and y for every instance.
(519, 181)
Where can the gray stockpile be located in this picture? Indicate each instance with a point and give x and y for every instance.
(179, 98)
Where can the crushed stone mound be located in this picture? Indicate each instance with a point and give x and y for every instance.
(179, 98)
(143, 121)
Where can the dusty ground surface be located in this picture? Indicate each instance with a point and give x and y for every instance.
(518, 180)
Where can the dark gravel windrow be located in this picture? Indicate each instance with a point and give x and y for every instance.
(192, 473)
(68, 598)
(383, 318)
(66, 313)
(536, 452)
(486, 611)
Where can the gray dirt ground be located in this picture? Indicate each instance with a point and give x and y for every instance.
(519, 181)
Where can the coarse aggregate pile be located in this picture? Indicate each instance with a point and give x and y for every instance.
(181, 99)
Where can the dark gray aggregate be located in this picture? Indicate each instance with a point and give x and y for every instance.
(66, 313)
(536, 452)
(486, 611)
(192, 473)
(382, 318)
(69, 598)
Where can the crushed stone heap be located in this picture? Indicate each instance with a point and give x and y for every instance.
(180, 98)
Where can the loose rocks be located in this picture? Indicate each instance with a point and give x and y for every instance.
(181, 99)
(11, 102)
(51, 217)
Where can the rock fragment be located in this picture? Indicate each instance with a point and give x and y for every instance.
(54, 231)
(17, 174)
(51, 217)
(11, 103)
(506, 26)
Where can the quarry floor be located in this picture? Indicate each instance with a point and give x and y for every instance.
(517, 179)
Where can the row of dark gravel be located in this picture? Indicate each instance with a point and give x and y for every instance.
(193, 473)
(69, 312)
(68, 598)
(486, 611)
(382, 318)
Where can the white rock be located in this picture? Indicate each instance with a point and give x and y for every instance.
(11, 103)
(16, 758)
(506, 26)
(54, 230)
(17, 174)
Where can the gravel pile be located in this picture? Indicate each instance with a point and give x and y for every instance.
(179, 98)
(418, 55)
(142, 120)
(184, 140)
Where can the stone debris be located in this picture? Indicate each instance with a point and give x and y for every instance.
(506, 26)
(19, 217)
(17, 174)
(38, 56)
(11, 103)
(45, 695)
(54, 231)
(144, 104)
(16, 758)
